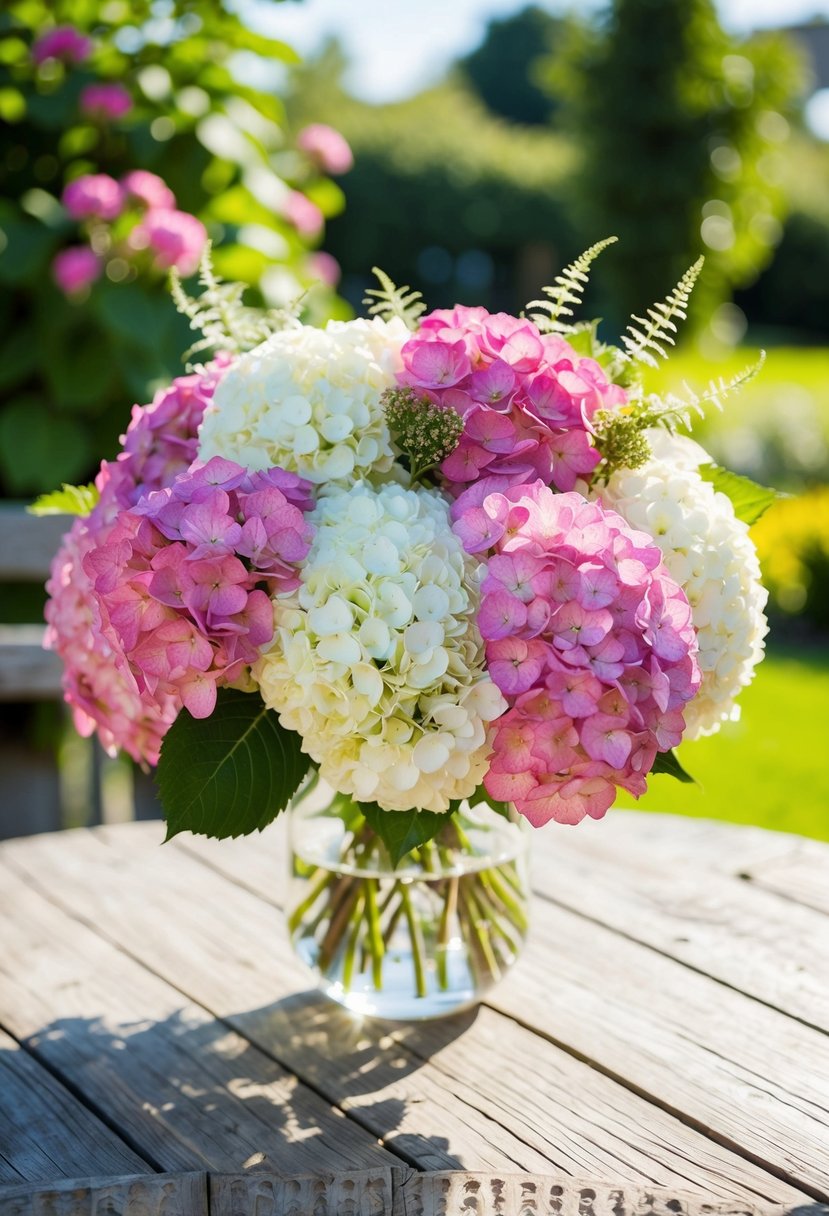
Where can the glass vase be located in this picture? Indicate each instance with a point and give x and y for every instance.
(422, 940)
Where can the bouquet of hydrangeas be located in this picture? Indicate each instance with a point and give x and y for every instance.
(438, 561)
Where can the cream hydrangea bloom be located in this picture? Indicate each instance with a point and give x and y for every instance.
(309, 400)
(376, 660)
(710, 554)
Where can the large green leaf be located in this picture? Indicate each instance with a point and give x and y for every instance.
(401, 831)
(667, 763)
(231, 773)
(749, 499)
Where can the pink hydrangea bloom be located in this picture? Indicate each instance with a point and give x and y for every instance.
(94, 196)
(175, 237)
(106, 100)
(149, 189)
(97, 681)
(326, 147)
(74, 269)
(527, 399)
(63, 42)
(305, 216)
(589, 639)
(184, 579)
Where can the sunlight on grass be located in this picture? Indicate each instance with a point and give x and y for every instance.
(770, 768)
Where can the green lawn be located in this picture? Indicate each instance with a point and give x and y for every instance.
(772, 767)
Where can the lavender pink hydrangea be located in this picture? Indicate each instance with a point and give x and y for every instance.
(184, 579)
(94, 196)
(590, 641)
(62, 42)
(107, 100)
(76, 268)
(148, 189)
(526, 398)
(176, 238)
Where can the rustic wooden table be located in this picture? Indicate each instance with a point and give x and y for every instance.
(666, 1028)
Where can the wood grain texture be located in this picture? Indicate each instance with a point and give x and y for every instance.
(153, 1195)
(721, 925)
(802, 875)
(478, 1092)
(160, 1068)
(45, 1132)
(28, 542)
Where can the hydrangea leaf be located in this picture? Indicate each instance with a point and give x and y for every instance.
(402, 831)
(229, 774)
(667, 763)
(749, 499)
(68, 500)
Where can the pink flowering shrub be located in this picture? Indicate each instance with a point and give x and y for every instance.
(94, 196)
(304, 214)
(326, 147)
(184, 579)
(107, 100)
(63, 42)
(526, 399)
(176, 238)
(75, 268)
(148, 189)
(590, 641)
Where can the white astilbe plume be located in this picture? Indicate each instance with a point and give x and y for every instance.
(308, 400)
(376, 660)
(708, 551)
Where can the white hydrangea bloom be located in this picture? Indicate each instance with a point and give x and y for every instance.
(376, 660)
(710, 554)
(309, 400)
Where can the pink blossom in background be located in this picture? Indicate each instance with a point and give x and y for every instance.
(326, 147)
(175, 237)
(526, 398)
(74, 269)
(103, 101)
(325, 267)
(149, 189)
(63, 42)
(93, 196)
(589, 639)
(305, 216)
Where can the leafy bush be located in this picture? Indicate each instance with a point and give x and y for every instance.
(158, 87)
(793, 543)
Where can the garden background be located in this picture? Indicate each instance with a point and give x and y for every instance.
(654, 120)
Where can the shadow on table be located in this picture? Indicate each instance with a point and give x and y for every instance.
(187, 1091)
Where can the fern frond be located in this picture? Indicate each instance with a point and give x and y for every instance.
(645, 344)
(673, 410)
(219, 313)
(389, 301)
(568, 288)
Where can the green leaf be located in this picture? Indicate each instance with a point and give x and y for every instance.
(231, 773)
(68, 500)
(667, 763)
(749, 499)
(402, 831)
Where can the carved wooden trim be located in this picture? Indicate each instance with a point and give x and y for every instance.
(381, 1192)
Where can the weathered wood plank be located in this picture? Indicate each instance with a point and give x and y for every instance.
(496, 1094)
(45, 1132)
(801, 875)
(153, 1195)
(365, 1193)
(745, 937)
(183, 1088)
(27, 671)
(442, 1194)
(29, 542)
(699, 1050)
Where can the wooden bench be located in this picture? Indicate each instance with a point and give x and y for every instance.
(27, 545)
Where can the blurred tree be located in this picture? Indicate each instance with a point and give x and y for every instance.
(88, 93)
(678, 125)
(505, 69)
(443, 195)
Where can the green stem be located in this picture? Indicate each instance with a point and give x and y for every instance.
(480, 930)
(450, 904)
(374, 934)
(321, 879)
(418, 949)
(353, 937)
